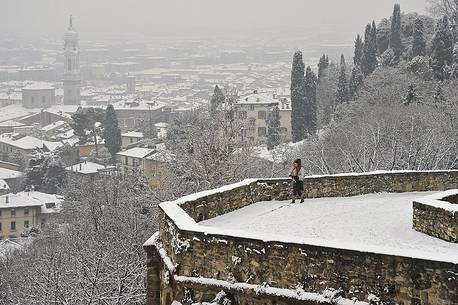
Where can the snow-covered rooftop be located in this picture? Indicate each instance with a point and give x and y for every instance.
(380, 223)
(87, 168)
(133, 134)
(136, 152)
(30, 199)
(3, 185)
(6, 173)
(39, 86)
(258, 99)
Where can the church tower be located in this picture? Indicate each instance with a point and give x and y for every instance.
(72, 74)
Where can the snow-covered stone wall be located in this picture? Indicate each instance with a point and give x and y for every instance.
(437, 215)
(196, 263)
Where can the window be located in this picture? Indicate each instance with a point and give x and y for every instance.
(13, 226)
(283, 130)
(69, 64)
(251, 107)
(262, 132)
(242, 115)
(13, 212)
(252, 121)
(26, 223)
(26, 211)
(126, 160)
(131, 140)
(0, 226)
(261, 115)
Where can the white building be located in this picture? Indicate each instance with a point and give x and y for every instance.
(38, 95)
(72, 73)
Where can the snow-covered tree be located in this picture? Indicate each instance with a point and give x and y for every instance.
(342, 95)
(273, 129)
(442, 49)
(419, 41)
(298, 98)
(111, 132)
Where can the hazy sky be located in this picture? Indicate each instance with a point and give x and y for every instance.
(99, 18)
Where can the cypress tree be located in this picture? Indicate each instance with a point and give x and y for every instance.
(310, 102)
(419, 41)
(442, 49)
(356, 80)
(395, 36)
(273, 128)
(112, 132)
(217, 99)
(342, 95)
(369, 59)
(298, 98)
(358, 50)
(323, 64)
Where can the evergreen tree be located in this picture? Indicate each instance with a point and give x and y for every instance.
(395, 36)
(359, 46)
(419, 41)
(112, 132)
(310, 102)
(323, 64)
(217, 99)
(439, 97)
(54, 175)
(86, 125)
(273, 123)
(342, 95)
(356, 80)
(369, 59)
(298, 98)
(442, 49)
(411, 96)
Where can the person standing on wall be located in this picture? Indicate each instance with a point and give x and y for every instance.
(297, 184)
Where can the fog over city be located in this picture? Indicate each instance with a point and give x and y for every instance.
(150, 18)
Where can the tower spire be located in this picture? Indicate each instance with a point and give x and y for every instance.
(71, 22)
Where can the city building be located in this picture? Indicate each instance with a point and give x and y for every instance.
(26, 145)
(253, 112)
(90, 169)
(38, 95)
(131, 137)
(72, 74)
(133, 161)
(23, 210)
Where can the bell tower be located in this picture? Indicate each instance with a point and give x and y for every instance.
(72, 74)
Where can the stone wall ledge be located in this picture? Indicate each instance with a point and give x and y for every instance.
(437, 217)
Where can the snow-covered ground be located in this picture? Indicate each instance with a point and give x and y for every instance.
(383, 220)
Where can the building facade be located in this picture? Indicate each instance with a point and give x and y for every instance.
(72, 73)
(253, 112)
(38, 95)
(23, 210)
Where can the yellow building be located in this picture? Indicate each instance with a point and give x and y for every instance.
(130, 137)
(133, 161)
(150, 163)
(21, 211)
(253, 110)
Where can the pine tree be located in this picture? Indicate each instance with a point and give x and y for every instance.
(298, 98)
(273, 131)
(359, 46)
(369, 59)
(112, 132)
(217, 99)
(356, 80)
(442, 49)
(310, 102)
(54, 175)
(419, 42)
(342, 95)
(395, 36)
